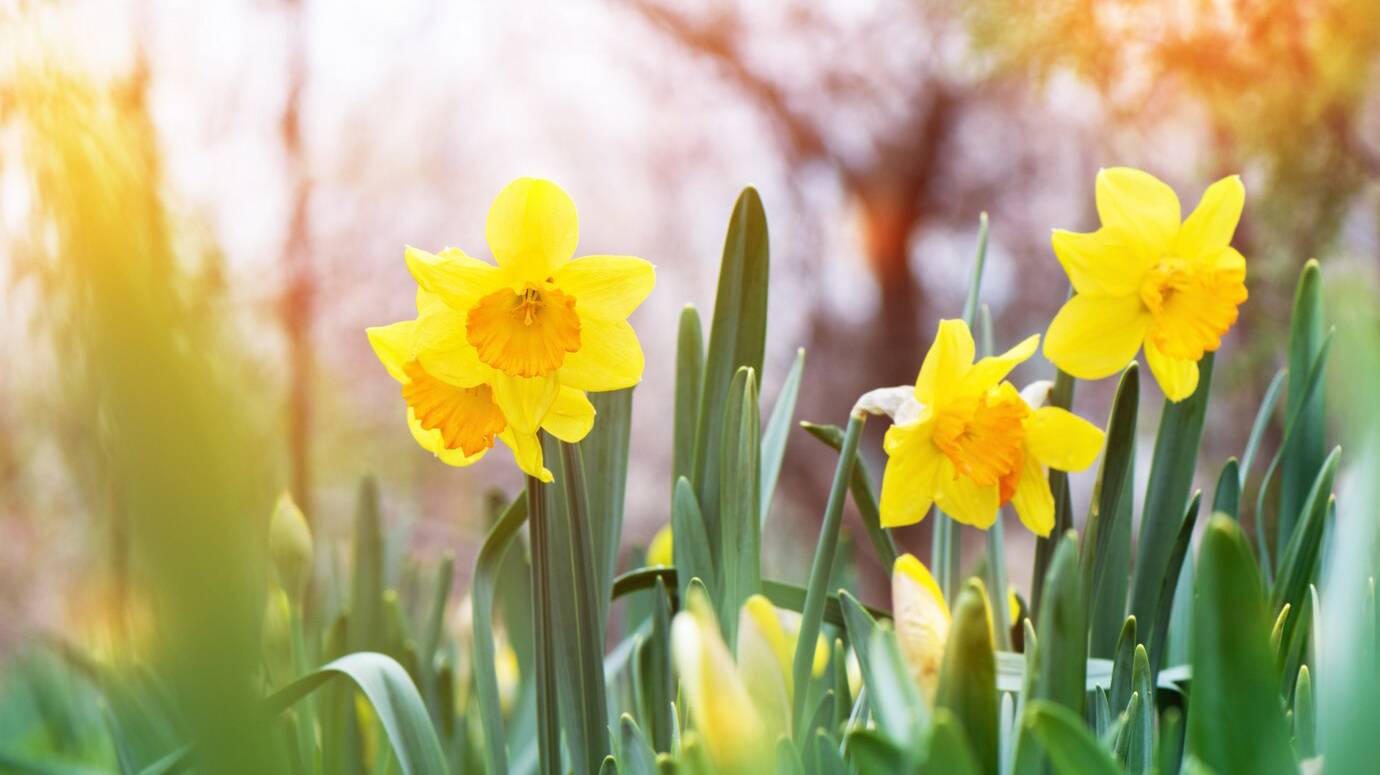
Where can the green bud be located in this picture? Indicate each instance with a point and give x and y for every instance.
(289, 541)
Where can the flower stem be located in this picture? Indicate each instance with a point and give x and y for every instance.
(548, 720)
(818, 590)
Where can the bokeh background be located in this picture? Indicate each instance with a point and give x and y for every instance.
(283, 152)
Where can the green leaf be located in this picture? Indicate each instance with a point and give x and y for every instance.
(1305, 722)
(737, 338)
(1140, 727)
(778, 429)
(864, 496)
(1293, 424)
(826, 756)
(1236, 723)
(689, 379)
(690, 543)
(781, 594)
(1169, 753)
(487, 567)
(740, 530)
(1062, 631)
(1123, 661)
(949, 751)
(967, 677)
(1067, 741)
(1304, 456)
(900, 711)
(604, 452)
(1299, 561)
(1106, 542)
(1168, 613)
(817, 592)
(1226, 498)
(1166, 494)
(1262, 422)
(389, 691)
(577, 633)
(788, 758)
(636, 756)
(871, 751)
(366, 598)
(609, 766)
(1121, 730)
(657, 683)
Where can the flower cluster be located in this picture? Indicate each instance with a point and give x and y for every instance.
(967, 441)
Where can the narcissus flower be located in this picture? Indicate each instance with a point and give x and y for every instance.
(536, 322)
(965, 440)
(1145, 279)
(454, 414)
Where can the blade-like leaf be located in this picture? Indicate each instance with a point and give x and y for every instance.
(778, 430)
(690, 543)
(604, 452)
(1064, 737)
(1168, 614)
(1166, 493)
(689, 379)
(967, 678)
(864, 496)
(740, 530)
(1226, 498)
(737, 339)
(1106, 542)
(1304, 456)
(949, 749)
(1236, 724)
(487, 567)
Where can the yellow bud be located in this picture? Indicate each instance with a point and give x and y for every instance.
(277, 622)
(922, 620)
(289, 541)
(659, 550)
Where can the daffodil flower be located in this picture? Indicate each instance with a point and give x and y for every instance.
(455, 415)
(1145, 279)
(536, 322)
(659, 551)
(965, 440)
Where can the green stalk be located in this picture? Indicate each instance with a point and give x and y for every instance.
(818, 590)
(548, 719)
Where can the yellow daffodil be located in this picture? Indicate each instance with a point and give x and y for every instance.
(1146, 279)
(922, 620)
(536, 322)
(721, 707)
(767, 637)
(659, 550)
(455, 415)
(965, 440)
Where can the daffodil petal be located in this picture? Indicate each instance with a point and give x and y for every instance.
(1101, 263)
(1061, 439)
(525, 401)
(1140, 206)
(609, 358)
(393, 344)
(1178, 377)
(606, 287)
(443, 350)
(571, 416)
(1213, 222)
(946, 363)
(433, 442)
(908, 482)
(994, 368)
(526, 453)
(1033, 501)
(532, 228)
(458, 279)
(965, 500)
(1093, 337)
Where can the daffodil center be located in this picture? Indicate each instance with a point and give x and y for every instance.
(1192, 305)
(468, 418)
(984, 437)
(524, 333)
